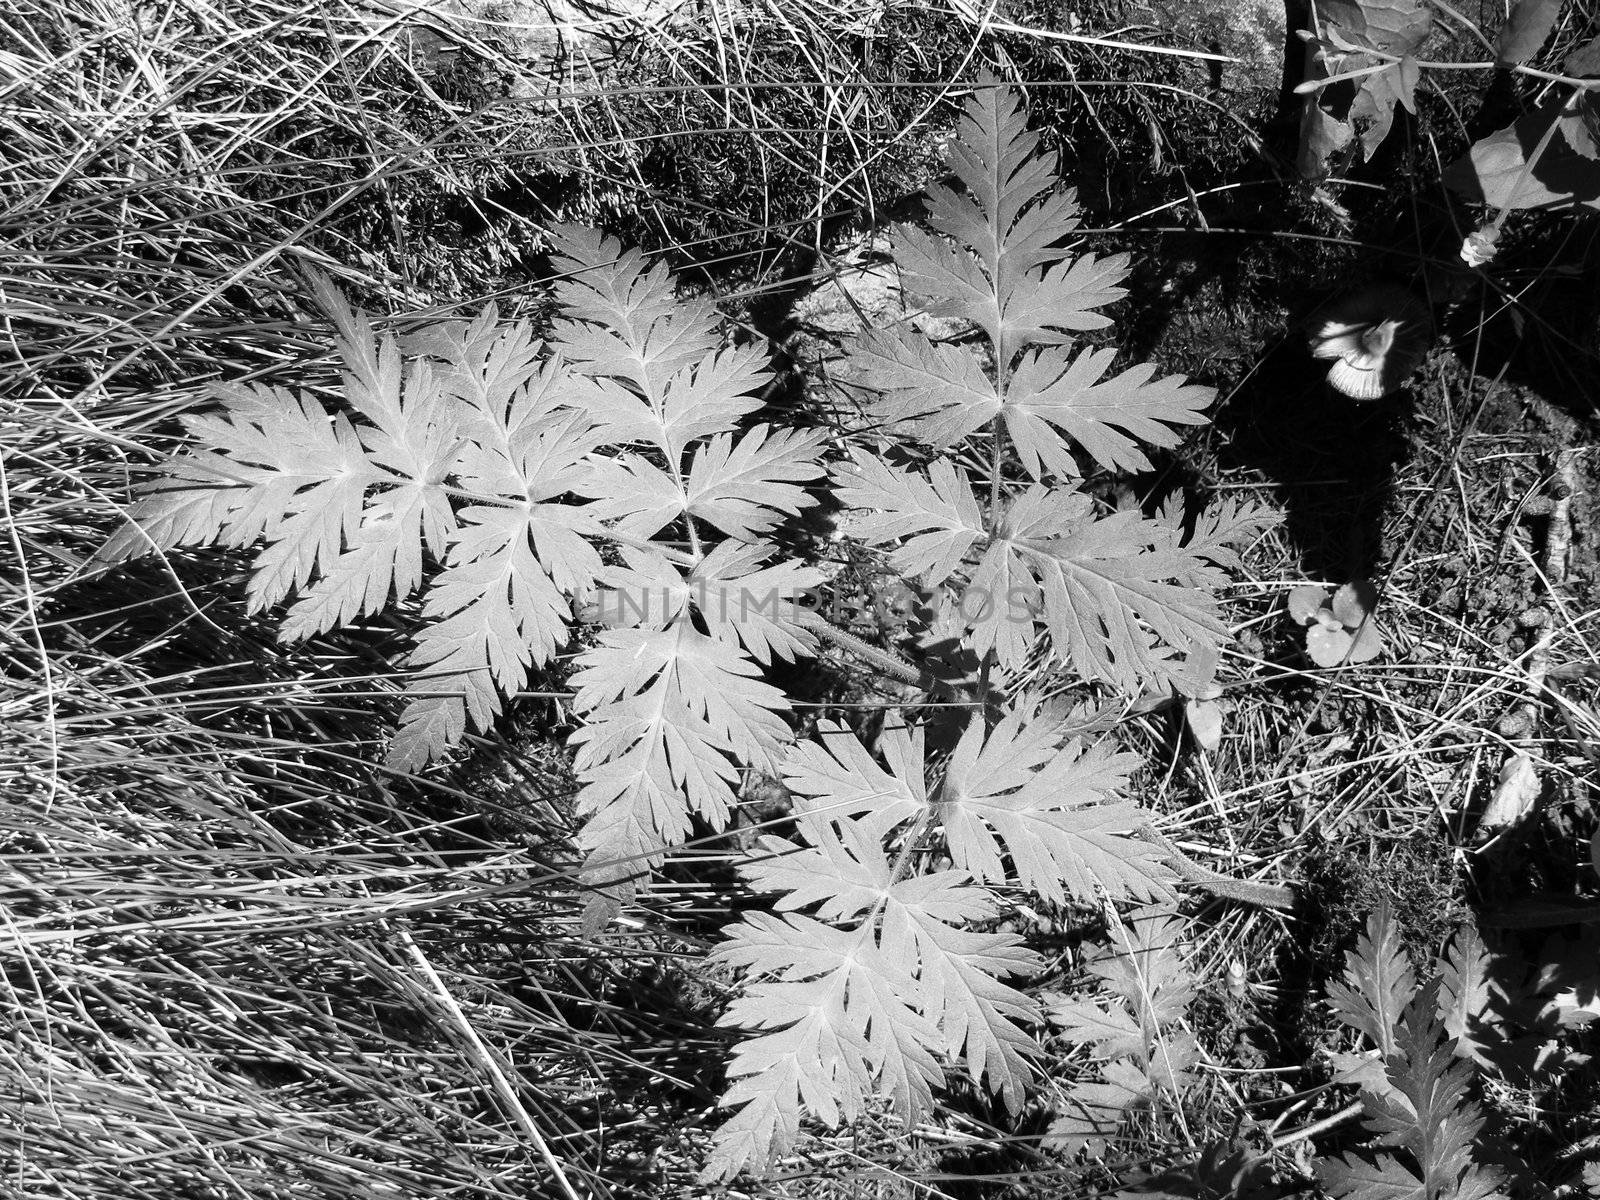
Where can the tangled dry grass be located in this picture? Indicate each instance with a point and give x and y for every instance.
(241, 960)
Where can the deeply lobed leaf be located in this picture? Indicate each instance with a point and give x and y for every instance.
(1018, 794)
(1134, 1030)
(1378, 982)
(874, 990)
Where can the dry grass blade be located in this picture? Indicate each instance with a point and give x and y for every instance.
(213, 903)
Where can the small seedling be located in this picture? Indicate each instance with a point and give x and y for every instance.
(1339, 628)
(1203, 706)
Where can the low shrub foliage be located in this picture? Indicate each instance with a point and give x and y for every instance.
(509, 489)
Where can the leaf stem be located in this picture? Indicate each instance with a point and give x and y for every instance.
(1528, 165)
(1225, 887)
(885, 661)
(1389, 59)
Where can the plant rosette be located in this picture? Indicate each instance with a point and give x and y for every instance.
(1339, 628)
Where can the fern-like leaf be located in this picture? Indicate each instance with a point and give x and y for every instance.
(674, 712)
(351, 511)
(1106, 418)
(1125, 599)
(658, 373)
(867, 996)
(270, 465)
(1003, 270)
(1133, 1030)
(622, 316)
(1114, 593)
(1018, 787)
(840, 780)
(1466, 1000)
(937, 392)
(1014, 795)
(1425, 1113)
(670, 714)
(469, 446)
(938, 515)
(742, 488)
(499, 607)
(1119, 595)
(741, 602)
(839, 1026)
(1378, 982)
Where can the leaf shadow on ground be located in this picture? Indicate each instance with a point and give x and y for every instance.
(1231, 310)
(1333, 460)
(1330, 461)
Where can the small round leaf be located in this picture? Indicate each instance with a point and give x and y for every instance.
(1353, 602)
(1304, 602)
(1366, 644)
(1327, 647)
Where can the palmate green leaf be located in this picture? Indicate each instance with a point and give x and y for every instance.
(412, 436)
(979, 1018)
(671, 710)
(492, 614)
(938, 515)
(701, 399)
(759, 607)
(654, 369)
(1017, 793)
(1101, 1023)
(350, 511)
(1211, 549)
(940, 395)
(1096, 1108)
(466, 454)
(1116, 593)
(1002, 269)
(499, 607)
(1147, 983)
(871, 1007)
(1143, 966)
